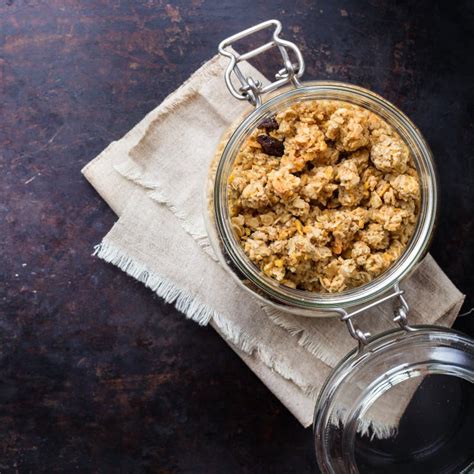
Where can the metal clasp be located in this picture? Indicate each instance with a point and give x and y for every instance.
(400, 316)
(250, 89)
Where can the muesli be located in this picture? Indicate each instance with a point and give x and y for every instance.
(324, 196)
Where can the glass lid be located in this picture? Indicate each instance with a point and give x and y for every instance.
(404, 402)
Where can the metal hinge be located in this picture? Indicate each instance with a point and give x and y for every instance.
(399, 317)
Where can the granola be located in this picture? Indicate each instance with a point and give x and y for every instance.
(324, 196)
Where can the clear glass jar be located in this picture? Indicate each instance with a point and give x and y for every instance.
(222, 236)
(320, 304)
(384, 376)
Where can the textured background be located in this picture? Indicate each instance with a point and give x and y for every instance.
(96, 373)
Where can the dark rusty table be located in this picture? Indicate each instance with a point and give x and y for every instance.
(97, 374)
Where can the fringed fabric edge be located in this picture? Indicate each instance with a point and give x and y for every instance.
(199, 312)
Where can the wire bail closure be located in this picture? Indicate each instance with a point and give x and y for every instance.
(400, 316)
(250, 89)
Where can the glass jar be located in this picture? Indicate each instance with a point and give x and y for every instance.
(220, 230)
(364, 380)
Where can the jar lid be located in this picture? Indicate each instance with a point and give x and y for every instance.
(404, 402)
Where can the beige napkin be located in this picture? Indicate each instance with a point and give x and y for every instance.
(154, 177)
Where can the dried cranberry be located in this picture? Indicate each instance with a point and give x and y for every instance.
(268, 124)
(271, 146)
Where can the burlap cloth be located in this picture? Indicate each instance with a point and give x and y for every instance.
(153, 178)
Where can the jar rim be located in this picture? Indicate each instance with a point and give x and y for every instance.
(269, 289)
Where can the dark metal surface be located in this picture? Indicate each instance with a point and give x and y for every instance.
(98, 375)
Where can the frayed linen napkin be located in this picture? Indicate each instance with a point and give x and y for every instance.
(154, 178)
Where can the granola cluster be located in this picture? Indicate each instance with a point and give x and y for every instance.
(324, 196)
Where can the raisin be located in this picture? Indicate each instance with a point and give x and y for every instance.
(268, 124)
(271, 146)
(343, 156)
